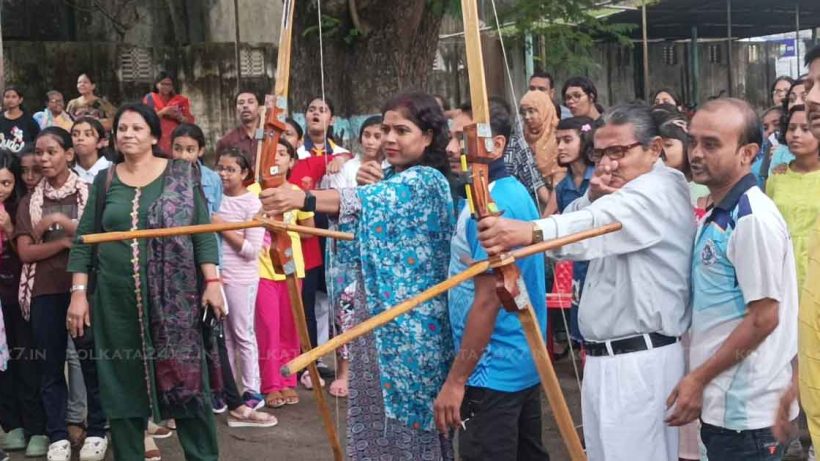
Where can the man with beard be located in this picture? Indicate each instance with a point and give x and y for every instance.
(744, 295)
(243, 137)
(635, 304)
(808, 333)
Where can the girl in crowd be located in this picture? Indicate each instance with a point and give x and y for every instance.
(17, 128)
(540, 120)
(795, 187)
(795, 97)
(161, 320)
(276, 334)
(780, 89)
(341, 278)
(46, 224)
(667, 96)
(188, 143)
(21, 409)
(89, 104)
(581, 97)
(575, 136)
(240, 276)
(403, 221)
(674, 131)
(90, 142)
(172, 107)
(29, 169)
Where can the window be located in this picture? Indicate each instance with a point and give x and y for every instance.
(715, 53)
(252, 62)
(754, 53)
(670, 55)
(136, 65)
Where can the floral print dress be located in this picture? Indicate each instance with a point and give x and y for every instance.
(403, 227)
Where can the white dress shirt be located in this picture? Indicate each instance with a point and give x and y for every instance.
(639, 277)
(87, 176)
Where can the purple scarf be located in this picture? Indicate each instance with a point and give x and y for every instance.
(174, 291)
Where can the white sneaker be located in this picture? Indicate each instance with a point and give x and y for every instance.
(94, 449)
(812, 456)
(59, 451)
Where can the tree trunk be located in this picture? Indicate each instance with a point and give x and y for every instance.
(396, 55)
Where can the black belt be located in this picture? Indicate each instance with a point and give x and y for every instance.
(627, 345)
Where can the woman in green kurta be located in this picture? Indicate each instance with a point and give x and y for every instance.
(146, 305)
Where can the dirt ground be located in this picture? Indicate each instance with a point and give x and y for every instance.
(300, 435)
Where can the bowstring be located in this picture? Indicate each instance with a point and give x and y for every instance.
(330, 263)
(520, 125)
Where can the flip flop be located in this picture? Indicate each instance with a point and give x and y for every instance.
(275, 399)
(290, 396)
(335, 390)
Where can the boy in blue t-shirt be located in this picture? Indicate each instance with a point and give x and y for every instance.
(492, 390)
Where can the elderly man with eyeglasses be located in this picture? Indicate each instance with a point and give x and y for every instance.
(636, 297)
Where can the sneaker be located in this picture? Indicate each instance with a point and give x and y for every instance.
(3, 456)
(94, 449)
(15, 440)
(37, 446)
(59, 451)
(219, 406)
(811, 456)
(324, 370)
(254, 400)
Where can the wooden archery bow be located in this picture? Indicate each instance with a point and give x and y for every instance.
(281, 252)
(510, 286)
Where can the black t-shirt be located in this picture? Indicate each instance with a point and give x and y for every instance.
(16, 134)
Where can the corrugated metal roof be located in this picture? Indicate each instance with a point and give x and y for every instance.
(674, 19)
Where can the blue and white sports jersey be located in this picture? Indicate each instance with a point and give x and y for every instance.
(743, 253)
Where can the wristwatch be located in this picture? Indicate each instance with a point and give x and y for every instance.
(537, 234)
(310, 202)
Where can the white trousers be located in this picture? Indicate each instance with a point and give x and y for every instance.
(623, 401)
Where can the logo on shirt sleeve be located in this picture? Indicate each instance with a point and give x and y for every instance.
(708, 255)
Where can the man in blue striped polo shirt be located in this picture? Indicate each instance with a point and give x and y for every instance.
(744, 295)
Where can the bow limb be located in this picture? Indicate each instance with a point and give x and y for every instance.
(281, 251)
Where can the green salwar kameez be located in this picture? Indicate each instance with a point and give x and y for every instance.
(127, 381)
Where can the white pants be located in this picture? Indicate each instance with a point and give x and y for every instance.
(623, 401)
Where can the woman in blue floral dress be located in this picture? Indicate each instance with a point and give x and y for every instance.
(403, 221)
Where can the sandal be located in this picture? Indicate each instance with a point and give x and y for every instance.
(338, 388)
(290, 396)
(306, 381)
(250, 418)
(275, 400)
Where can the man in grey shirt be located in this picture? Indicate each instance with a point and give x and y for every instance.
(636, 297)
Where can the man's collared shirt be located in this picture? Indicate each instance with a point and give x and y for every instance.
(638, 278)
(520, 162)
(743, 253)
(238, 139)
(87, 176)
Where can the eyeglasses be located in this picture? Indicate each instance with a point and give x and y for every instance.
(227, 169)
(779, 91)
(574, 96)
(613, 152)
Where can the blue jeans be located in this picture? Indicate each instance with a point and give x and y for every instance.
(751, 445)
